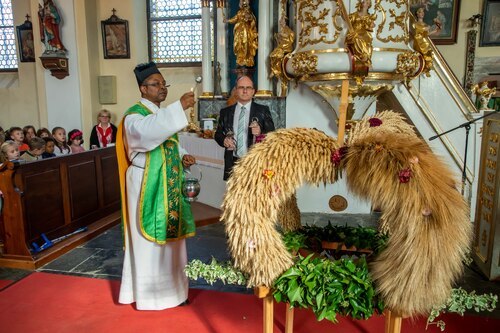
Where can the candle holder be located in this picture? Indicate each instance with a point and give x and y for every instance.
(192, 126)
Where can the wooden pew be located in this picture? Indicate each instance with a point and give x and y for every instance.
(57, 196)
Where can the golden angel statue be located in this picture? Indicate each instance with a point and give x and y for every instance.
(483, 94)
(245, 35)
(285, 40)
(421, 42)
(359, 39)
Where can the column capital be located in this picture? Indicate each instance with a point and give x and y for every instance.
(221, 3)
(205, 3)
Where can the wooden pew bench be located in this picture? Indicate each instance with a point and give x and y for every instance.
(56, 197)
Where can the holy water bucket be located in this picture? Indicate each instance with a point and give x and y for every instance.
(191, 185)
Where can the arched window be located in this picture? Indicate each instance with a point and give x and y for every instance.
(174, 29)
(8, 55)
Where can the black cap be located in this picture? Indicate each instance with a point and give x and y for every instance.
(143, 71)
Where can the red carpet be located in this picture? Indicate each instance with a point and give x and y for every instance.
(54, 303)
(4, 283)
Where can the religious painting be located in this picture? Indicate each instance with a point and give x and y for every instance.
(26, 46)
(115, 38)
(490, 29)
(441, 16)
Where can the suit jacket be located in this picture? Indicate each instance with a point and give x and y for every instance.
(226, 119)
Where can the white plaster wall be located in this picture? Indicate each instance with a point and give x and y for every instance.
(307, 109)
(63, 98)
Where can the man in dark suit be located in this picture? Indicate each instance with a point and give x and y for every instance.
(241, 123)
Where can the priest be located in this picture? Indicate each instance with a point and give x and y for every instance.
(156, 217)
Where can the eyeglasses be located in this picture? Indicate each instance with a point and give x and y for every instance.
(157, 84)
(244, 88)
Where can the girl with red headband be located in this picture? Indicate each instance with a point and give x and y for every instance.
(75, 141)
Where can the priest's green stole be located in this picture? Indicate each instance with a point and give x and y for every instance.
(165, 215)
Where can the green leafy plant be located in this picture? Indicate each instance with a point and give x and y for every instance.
(294, 240)
(459, 302)
(329, 288)
(214, 271)
(359, 237)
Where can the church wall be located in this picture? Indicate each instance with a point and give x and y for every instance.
(85, 18)
(18, 94)
(181, 79)
(455, 54)
(63, 97)
(22, 95)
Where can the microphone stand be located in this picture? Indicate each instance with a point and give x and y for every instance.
(465, 125)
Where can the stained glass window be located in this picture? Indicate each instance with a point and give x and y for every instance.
(8, 53)
(175, 32)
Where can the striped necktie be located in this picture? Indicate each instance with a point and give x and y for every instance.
(240, 140)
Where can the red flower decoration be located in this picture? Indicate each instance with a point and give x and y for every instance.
(338, 155)
(260, 138)
(374, 122)
(404, 175)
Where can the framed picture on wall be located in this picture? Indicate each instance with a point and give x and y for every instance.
(490, 28)
(26, 46)
(115, 39)
(442, 16)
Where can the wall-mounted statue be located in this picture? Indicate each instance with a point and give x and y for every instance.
(54, 57)
(50, 19)
(245, 35)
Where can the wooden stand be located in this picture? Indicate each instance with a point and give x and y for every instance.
(344, 102)
(392, 322)
(268, 307)
(268, 310)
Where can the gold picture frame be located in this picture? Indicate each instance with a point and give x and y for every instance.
(442, 13)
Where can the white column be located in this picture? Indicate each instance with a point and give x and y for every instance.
(206, 56)
(474, 160)
(222, 56)
(264, 48)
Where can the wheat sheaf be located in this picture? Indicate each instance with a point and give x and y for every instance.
(384, 162)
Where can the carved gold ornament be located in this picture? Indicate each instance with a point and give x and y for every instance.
(315, 23)
(395, 20)
(408, 64)
(304, 64)
(329, 91)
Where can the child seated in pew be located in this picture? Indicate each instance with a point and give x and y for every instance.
(29, 132)
(61, 147)
(75, 141)
(9, 151)
(49, 148)
(43, 133)
(16, 134)
(37, 147)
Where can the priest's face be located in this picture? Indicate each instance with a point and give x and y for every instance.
(154, 88)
